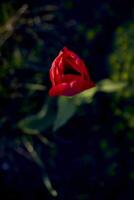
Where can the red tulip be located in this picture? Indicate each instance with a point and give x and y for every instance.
(76, 80)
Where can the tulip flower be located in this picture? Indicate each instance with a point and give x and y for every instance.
(69, 74)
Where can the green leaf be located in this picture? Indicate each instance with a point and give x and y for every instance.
(85, 96)
(17, 58)
(48, 185)
(66, 109)
(34, 124)
(36, 86)
(108, 85)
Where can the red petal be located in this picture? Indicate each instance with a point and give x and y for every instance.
(70, 58)
(70, 77)
(59, 90)
(56, 70)
(68, 84)
(71, 88)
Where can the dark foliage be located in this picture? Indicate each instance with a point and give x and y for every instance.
(81, 147)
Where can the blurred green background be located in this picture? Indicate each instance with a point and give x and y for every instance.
(76, 148)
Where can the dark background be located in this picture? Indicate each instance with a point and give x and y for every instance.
(79, 148)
